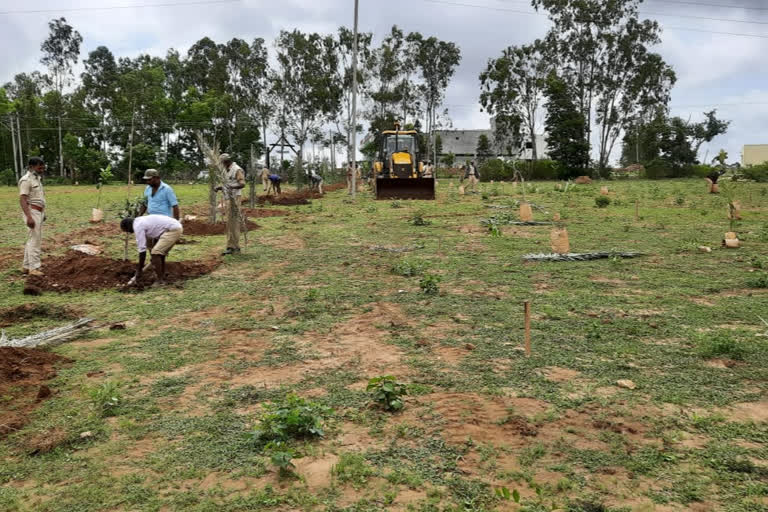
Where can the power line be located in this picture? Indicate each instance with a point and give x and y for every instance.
(702, 4)
(115, 7)
(516, 11)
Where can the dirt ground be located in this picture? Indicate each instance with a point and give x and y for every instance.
(79, 272)
(261, 213)
(27, 312)
(203, 228)
(23, 372)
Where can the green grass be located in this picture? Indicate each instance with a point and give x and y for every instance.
(198, 364)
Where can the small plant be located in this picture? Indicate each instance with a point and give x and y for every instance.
(291, 418)
(503, 493)
(312, 295)
(429, 284)
(758, 262)
(352, 469)
(408, 268)
(395, 204)
(106, 398)
(602, 201)
(418, 219)
(387, 392)
(720, 345)
(680, 200)
(281, 457)
(371, 209)
(759, 282)
(494, 230)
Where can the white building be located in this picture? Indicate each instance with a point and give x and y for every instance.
(463, 145)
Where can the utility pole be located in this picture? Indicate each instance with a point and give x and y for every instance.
(15, 155)
(22, 163)
(353, 128)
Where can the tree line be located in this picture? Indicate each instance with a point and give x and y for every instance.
(600, 83)
(136, 113)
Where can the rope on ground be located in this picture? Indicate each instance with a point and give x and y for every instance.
(580, 256)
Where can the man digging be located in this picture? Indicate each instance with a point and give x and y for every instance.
(32, 202)
(166, 230)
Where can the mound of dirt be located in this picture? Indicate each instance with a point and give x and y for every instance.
(334, 187)
(75, 271)
(260, 213)
(27, 312)
(202, 228)
(23, 372)
(290, 198)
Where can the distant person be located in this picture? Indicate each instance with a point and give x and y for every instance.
(233, 187)
(32, 202)
(265, 177)
(350, 170)
(166, 230)
(473, 176)
(161, 199)
(427, 170)
(274, 184)
(316, 181)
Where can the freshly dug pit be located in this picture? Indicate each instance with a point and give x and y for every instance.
(23, 372)
(80, 272)
(27, 312)
(261, 213)
(202, 228)
(334, 187)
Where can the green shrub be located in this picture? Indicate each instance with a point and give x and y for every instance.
(418, 219)
(758, 282)
(495, 169)
(720, 344)
(429, 284)
(353, 469)
(408, 268)
(602, 201)
(387, 392)
(7, 178)
(544, 170)
(757, 173)
(291, 418)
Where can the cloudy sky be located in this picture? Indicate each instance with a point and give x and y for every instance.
(727, 70)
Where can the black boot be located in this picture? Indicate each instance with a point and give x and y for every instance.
(229, 251)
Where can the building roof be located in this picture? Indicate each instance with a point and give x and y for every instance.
(462, 142)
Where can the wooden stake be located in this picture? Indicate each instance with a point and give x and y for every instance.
(637, 210)
(528, 328)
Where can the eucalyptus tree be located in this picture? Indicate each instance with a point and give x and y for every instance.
(61, 51)
(307, 83)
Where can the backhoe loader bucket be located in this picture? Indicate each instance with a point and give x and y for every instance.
(405, 188)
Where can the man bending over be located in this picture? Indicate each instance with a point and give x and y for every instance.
(166, 230)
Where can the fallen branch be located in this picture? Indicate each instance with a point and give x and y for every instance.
(580, 256)
(765, 334)
(49, 338)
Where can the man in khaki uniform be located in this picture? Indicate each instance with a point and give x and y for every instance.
(265, 177)
(233, 186)
(32, 201)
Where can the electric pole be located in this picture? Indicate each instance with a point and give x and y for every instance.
(353, 128)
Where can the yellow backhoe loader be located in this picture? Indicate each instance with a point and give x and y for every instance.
(398, 169)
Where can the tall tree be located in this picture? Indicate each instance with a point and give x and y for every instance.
(258, 79)
(99, 81)
(566, 127)
(483, 150)
(436, 61)
(345, 44)
(307, 81)
(513, 88)
(61, 51)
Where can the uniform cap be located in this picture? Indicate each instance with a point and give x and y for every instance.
(151, 173)
(224, 157)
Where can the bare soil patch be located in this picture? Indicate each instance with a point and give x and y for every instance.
(284, 242)
(26, 312)
(290, 198)
(261, 213)
(23, 372)
(558, 374)
(202, 228)
(79, 272)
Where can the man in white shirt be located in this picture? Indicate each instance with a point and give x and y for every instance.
(166, 230)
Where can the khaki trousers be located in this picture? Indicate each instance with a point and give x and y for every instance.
(233, 224)
(473, 181)
(265, 182)
(32, 249)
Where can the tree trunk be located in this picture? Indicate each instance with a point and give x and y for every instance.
(252, 180)
(266, 146)
(61, 150)
(22, 163)
(130, 149)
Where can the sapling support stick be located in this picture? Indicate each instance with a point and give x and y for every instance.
(527, 307)
(637, 211)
